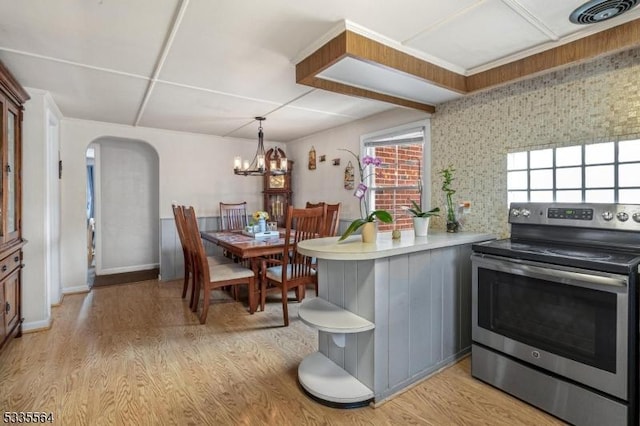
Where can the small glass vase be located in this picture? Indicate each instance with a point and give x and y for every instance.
(369, 232)
(262, 225)
(453, 226)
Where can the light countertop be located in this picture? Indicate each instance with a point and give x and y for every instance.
(354, 249)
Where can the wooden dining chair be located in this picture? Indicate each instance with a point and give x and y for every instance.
(189, 276)
(294, 270)
(233, 216)
(333, 217)
(212, 276)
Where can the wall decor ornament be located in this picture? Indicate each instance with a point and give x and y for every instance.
(312, 158)
(336, 161)
(348, 177)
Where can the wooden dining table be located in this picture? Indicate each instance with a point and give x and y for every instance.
(247, 248)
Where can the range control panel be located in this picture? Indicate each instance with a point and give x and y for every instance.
(588, 215)
(569, 213)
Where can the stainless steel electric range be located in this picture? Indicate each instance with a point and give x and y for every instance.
(555, 310)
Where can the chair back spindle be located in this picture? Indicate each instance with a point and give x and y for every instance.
(333, 217)
(233, 216)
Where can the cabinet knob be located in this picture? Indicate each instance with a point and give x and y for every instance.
(17, 258)
(7, 308)
(4, 268)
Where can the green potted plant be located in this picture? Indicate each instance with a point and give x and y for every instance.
(421, 218)
(367, 219)
(369, 230)
(452, 220)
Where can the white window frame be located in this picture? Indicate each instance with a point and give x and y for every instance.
(369, 139)
(615, 163)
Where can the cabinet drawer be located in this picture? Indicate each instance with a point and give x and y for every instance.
(10, 263)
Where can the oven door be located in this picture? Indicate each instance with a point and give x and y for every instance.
(568, 321)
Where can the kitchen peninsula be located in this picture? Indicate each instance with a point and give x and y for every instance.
(389, 313)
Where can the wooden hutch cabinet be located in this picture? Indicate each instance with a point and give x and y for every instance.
(277, 190)
(12, 97)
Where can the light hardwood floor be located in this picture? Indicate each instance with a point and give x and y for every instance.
(134, 354)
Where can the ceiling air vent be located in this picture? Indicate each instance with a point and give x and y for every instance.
(596, 11)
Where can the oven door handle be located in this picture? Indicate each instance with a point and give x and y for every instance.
(565, 275)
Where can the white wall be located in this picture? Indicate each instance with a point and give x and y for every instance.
(36, 306)
(194, 169)
(127, 209)
(325, 183)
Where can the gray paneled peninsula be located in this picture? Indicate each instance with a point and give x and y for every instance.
(389, 314)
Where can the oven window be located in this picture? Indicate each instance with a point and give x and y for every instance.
(569, 321)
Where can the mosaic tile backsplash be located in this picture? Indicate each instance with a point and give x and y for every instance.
(592, 102)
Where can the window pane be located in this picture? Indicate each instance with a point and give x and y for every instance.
(569, 196)
(598, 153)
(517, 197)
(569, 156)
(541, 158)
(541, 179)
(629, 175)
(517, 180)
(517, 161)
(629, 196)
(599, 196)
(599, 177)
(385, 174)
(401, 165)
(570, 177)
(541, 196)
(395, 202)
(629, 151)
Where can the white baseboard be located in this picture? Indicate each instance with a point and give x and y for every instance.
(33, 326)
(78, 289)
(123, 269)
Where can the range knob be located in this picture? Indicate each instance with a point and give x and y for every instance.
(515, 212)
(607, 216)
(525, 212)
(622, 216)
(636, 217)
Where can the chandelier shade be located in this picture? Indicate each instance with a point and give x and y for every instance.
(258, 166)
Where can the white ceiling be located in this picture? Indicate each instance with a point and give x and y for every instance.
(209, 66)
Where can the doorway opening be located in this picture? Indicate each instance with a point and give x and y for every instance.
(123, 211)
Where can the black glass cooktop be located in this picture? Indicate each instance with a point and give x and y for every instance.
(597, 258)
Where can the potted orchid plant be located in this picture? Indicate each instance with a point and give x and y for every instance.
(367, 219)
(421, 218)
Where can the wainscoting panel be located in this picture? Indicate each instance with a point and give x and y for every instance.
(171, 257)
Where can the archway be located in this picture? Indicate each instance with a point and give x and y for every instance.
(123, 207)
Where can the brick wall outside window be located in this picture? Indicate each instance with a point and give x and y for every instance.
(401, 168)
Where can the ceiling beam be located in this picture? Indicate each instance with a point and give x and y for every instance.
(345, 89)
(350, 44)
(616, 39)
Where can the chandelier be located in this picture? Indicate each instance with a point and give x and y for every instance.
(277, 164)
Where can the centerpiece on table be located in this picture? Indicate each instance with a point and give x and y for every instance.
(367, 219)
(421, 218)
(260, 218)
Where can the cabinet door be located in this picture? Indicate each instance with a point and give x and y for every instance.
(276, 204)
(3, 126)
(3, 329)
(11, 300)
(11, 174)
